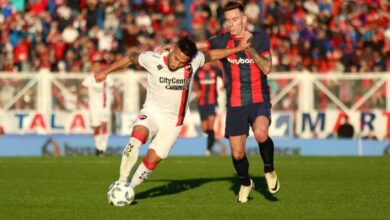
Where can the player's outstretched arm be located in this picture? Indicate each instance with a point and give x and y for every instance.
(217, 54)
(118, 65)
(201, 46)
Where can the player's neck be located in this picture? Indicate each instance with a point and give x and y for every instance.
(238, 36)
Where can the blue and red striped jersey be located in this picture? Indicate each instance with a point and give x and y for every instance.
(206, 78)
(245, 83)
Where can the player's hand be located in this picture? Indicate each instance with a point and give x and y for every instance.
(100, 76)
(161, 49)
(246, 41)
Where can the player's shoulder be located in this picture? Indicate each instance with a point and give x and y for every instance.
(260, 34)
(149, 58)
(198, 59)
(151, 55)
(199, 54)
(221, 37)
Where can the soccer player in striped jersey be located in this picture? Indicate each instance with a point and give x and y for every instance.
(170, 78)
(206, 85)
(248, 96)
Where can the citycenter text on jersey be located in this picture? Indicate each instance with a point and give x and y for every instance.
(175, 83)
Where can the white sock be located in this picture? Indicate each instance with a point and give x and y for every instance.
(98, 141)
(129, 158)
(140, 175)
(104, 141)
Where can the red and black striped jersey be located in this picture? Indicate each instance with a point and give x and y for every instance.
(206, 78)
(245, 83)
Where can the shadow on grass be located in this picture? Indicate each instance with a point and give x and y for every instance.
(170, 186)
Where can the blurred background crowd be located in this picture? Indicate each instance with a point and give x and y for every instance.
(318, 36)
(315, 35)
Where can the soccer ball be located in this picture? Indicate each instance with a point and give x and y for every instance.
(120, 194)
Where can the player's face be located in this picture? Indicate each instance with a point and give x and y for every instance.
(177, 59)
(235, 22)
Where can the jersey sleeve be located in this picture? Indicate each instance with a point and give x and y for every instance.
(145, 58)
(215, 42)
(196, 77)
(261, 43)
(198, 60)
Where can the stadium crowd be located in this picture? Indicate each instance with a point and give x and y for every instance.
(320, 36)
(314, 35)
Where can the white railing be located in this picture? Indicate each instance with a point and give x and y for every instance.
(40, 87)
(47, 102)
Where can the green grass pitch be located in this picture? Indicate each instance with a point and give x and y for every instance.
(196, 188)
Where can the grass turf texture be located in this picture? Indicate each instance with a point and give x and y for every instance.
(196, 188)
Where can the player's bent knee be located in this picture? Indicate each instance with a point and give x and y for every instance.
(140, 135)
(204, 127)
(153, 157)
(238, 155)
(261, 136)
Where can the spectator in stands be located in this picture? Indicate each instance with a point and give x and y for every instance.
(345, 130)
(322, 36)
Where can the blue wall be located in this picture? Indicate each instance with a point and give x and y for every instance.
(34, 145)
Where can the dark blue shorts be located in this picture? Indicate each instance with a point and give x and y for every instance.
(206, 111)
(238, 119)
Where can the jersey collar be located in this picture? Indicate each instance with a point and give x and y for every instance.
(235, 37)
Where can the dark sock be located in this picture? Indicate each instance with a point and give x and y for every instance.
(98, 152)
(242, 169)
(210, 139)
(267, 154)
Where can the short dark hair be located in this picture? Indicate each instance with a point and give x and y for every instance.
(187, 46)
(231, 5)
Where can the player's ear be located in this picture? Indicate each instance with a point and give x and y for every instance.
(244, 20)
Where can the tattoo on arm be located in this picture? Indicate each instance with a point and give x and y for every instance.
(263, 62)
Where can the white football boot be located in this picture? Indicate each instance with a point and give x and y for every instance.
(272, 182)
(244, 192)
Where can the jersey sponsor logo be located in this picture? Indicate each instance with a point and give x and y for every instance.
(240, 61)
(175, 83)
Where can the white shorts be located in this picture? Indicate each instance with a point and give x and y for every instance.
(161, 133)
(98, 116)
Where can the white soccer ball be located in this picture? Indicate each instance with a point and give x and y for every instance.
(120, 194)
